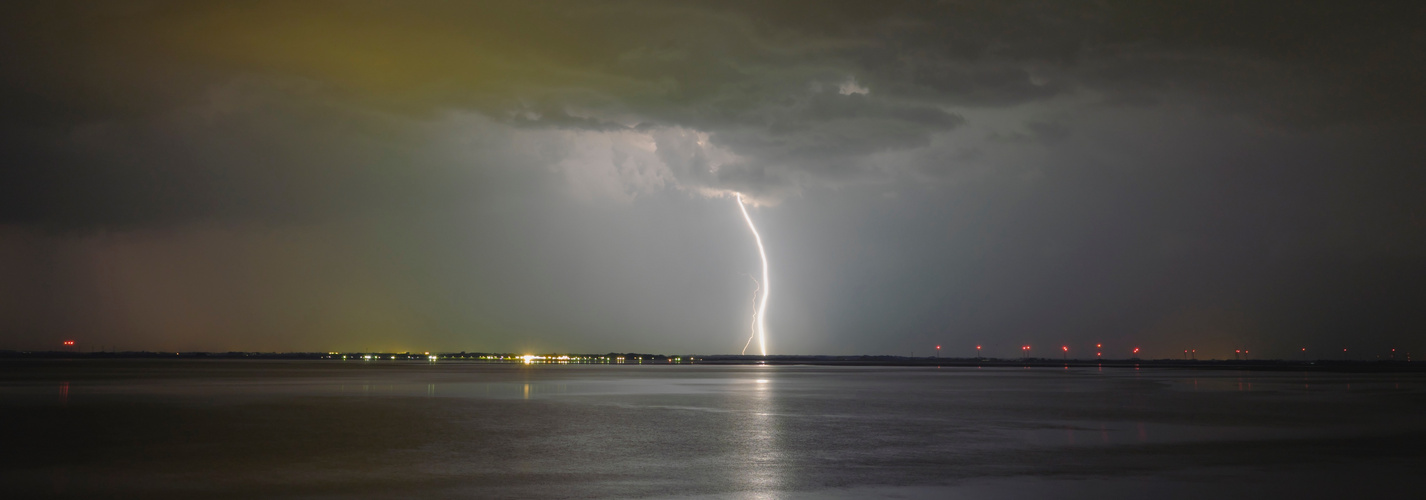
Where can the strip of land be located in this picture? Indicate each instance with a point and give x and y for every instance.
(1385, 365)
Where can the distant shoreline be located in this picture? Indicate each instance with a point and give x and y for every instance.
(733, 359)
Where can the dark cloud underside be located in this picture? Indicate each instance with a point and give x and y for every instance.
(928, 169)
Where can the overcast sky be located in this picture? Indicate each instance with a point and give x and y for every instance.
(560, 176)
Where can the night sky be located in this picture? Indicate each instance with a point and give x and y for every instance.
(561, 176)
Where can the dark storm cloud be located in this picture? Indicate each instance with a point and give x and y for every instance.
(766, 81)
(1200, 162)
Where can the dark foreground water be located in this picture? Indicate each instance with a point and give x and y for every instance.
(273, 429)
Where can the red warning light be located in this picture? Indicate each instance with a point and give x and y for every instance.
(69, 342)
(1136, 350)
(1066, 348)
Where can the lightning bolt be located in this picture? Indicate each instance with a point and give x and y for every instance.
(766, 287)
(756, 287)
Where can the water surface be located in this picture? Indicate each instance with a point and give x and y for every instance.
(320, 429)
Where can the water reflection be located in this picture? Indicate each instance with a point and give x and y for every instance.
(760, 453)
(716, 431)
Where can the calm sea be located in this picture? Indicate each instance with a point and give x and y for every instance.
(309, 429)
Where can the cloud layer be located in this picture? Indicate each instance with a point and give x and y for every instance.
(1090, 157)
